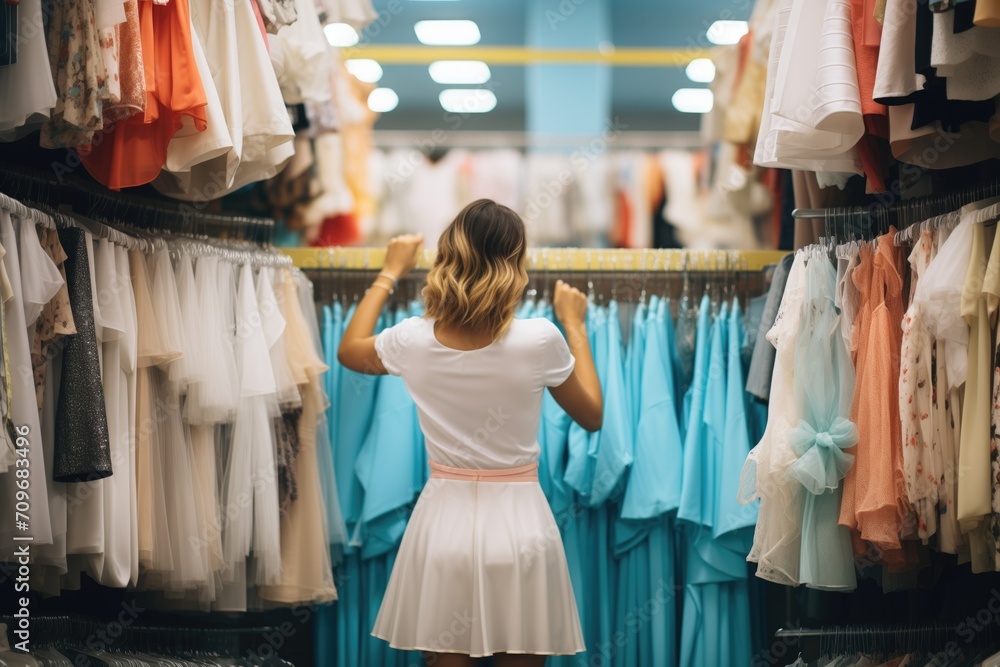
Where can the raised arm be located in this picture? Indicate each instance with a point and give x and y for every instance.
(357, 347)
(580, 395)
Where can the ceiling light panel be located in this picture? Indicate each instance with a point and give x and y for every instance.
(455, 72)
(340, 34)
(383, 100)
(447, 33)
(468, 100)
(693, 100)
(727, 32)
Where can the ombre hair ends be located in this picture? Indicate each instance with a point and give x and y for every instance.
(478, 277)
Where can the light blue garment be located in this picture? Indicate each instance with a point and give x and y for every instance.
(715, 624)
(694, 644)
(345, 643)
(824, 389)
(733, 522)
(353, 400)
(385, 466)
(600, 349)
(525, 310)
(654, 484)
(579, 464)
(661, 589)
(554, 439)
(692, 504)
(614, 440)
(324, 450)
(645, 617)
(630, 537)
(634, 357)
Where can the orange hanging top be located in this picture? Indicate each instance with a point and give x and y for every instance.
(874, 505)
(132, 152)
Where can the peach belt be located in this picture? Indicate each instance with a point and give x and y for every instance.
(528, 473)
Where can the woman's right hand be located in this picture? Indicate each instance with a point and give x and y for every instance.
(402, 253)
(570, 304)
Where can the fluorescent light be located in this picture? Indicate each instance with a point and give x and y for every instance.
(365, 69)
(693, 100)
(466, 100)
(382, 100)
(700, 70)
(727, 32)
(460, 71)
(340, 34)
(447, 33)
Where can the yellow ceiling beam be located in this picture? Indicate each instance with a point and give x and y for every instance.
(399, 54)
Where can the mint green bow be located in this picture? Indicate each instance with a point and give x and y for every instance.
(822, 461)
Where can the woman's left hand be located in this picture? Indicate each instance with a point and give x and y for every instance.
(402, 253)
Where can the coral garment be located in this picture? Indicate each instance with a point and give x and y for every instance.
(132, 152)
(875, 504)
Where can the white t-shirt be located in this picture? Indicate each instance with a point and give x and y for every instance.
(480, 408)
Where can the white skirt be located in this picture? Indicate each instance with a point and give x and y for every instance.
(481, 570)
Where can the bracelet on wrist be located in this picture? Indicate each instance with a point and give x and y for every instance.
(390, 289)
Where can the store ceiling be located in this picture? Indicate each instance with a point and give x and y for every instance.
(640, 95)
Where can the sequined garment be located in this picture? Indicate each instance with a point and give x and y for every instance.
(82, 446)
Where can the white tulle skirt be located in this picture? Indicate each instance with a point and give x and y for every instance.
(481, 570)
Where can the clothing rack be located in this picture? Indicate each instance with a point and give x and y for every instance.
(118, 634)
(626, 276)
(93, 200)
(946, 641)
(232, 249)
(589, 260)
(877, 216)
(861, 631)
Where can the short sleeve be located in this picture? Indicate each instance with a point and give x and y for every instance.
(557, 360)
(392, 345)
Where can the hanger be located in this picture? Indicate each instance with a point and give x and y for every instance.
(590, 280)
(685, 300)
(643, 277)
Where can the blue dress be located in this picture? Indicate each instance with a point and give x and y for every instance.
(634, 357)
(580, 464)
(644, 531)
(385, 466)
(324, 449)
(693, 496)
(553, 437)
(352, 402)
(733, 523)
(715, 624)
(594, 469)
(654, 483)
(327, 642)
(630, 537)
(614, 440)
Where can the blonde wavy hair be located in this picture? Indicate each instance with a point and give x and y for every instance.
(478, 277)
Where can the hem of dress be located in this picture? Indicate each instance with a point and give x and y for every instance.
(476, 655)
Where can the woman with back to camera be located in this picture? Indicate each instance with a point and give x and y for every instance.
(481, 569)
